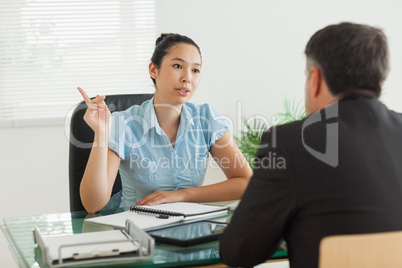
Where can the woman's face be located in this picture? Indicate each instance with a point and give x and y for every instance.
(179, 75)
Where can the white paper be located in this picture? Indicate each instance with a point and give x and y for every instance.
(147, 221)
(143, 221)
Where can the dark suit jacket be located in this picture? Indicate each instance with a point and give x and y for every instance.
(307, 199)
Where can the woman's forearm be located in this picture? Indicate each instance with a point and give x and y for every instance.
(94, 189)
(230, 189)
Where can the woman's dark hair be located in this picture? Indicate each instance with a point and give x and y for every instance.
(163, 45)
(350, 56)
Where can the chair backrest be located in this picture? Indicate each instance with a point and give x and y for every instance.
(362, 250)
(81, 139)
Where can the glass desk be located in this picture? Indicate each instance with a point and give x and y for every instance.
(19, 234)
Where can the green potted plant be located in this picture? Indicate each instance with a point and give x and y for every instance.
(251, 135)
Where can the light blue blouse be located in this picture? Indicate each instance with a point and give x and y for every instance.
(149, 162)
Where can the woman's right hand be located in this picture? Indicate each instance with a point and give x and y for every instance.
(98, 114)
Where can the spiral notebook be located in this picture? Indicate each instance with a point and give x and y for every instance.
(146, 217)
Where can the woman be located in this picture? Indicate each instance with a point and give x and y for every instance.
(162, 146)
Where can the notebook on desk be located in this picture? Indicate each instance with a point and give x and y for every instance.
(146, 217)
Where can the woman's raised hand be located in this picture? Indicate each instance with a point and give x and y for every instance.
(97, 114)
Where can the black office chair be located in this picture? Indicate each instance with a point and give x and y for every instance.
(81, 139)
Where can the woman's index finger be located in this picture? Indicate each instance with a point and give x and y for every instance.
(87, 99)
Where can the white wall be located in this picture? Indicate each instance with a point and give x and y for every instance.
(33, 175)
(253, 50)
(252, 53)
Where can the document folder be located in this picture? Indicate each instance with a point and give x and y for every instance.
(126, 245)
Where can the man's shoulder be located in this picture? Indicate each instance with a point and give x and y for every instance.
(290, 127)
(282, 140)
(289, 131)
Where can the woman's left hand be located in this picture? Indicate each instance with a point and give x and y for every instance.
(160, 197)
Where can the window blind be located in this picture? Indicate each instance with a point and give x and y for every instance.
(49, 47)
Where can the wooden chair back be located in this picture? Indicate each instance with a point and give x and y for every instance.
(362, 250)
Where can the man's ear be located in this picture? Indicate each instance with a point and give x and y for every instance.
(315, 81)
(153, 71)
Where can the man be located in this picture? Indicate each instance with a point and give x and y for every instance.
(343, 163)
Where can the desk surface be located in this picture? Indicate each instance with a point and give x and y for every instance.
(18, 232)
